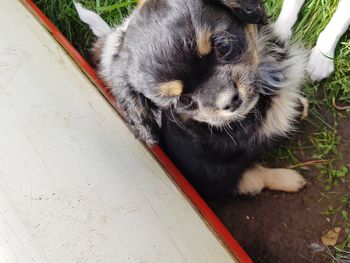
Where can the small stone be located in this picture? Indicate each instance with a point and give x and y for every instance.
(316, 248)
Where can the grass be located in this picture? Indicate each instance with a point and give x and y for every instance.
(322, 144)
(62, 13)
(325, 143)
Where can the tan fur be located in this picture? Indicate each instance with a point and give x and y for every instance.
(171, 88)
(251, 32)
(284, 108)
(305, 103)
(204, 46)
(243, 89)
(282, 113)
(184, 117)
(232, 4)
(141, 2)
(258, 178)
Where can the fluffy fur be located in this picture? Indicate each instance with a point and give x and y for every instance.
(223, 89)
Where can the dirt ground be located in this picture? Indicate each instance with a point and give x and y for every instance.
(287, 228)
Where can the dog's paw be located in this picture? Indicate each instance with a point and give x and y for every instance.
(319, 66)
(256, 179)
(286, 180)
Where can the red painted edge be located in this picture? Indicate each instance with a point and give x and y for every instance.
(159, 154)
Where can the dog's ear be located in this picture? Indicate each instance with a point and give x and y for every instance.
(98, 26)
(141, 113)
(248, 11)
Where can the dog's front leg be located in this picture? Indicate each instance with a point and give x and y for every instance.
(288, 17)
(256, 179)
(321, 64)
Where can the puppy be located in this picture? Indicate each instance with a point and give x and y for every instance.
(320, 64)
(223, 88)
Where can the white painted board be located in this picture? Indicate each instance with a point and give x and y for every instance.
(75, 186)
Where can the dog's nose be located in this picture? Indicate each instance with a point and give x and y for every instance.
(233, 104)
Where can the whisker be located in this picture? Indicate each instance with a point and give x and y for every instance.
(173, 119)
(240, 124)
(211, 131)
(229, 134)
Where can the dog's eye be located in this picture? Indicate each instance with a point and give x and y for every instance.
(223, 45)
(185, 100)
(227, 46)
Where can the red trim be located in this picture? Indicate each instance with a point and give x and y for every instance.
(173, 171)
(230, 242)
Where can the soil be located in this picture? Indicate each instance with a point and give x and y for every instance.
(287, 228)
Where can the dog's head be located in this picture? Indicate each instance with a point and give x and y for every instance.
(196, 57)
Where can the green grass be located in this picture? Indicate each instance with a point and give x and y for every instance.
(325, 143)
(62, 13)
(341, 211)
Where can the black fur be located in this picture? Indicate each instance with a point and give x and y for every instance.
(213, 159)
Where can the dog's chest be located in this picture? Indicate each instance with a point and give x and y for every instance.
(223, 145)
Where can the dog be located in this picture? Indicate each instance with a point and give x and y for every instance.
(210, 82)
(320, 64)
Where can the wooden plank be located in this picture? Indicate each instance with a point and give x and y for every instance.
(76, 186)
